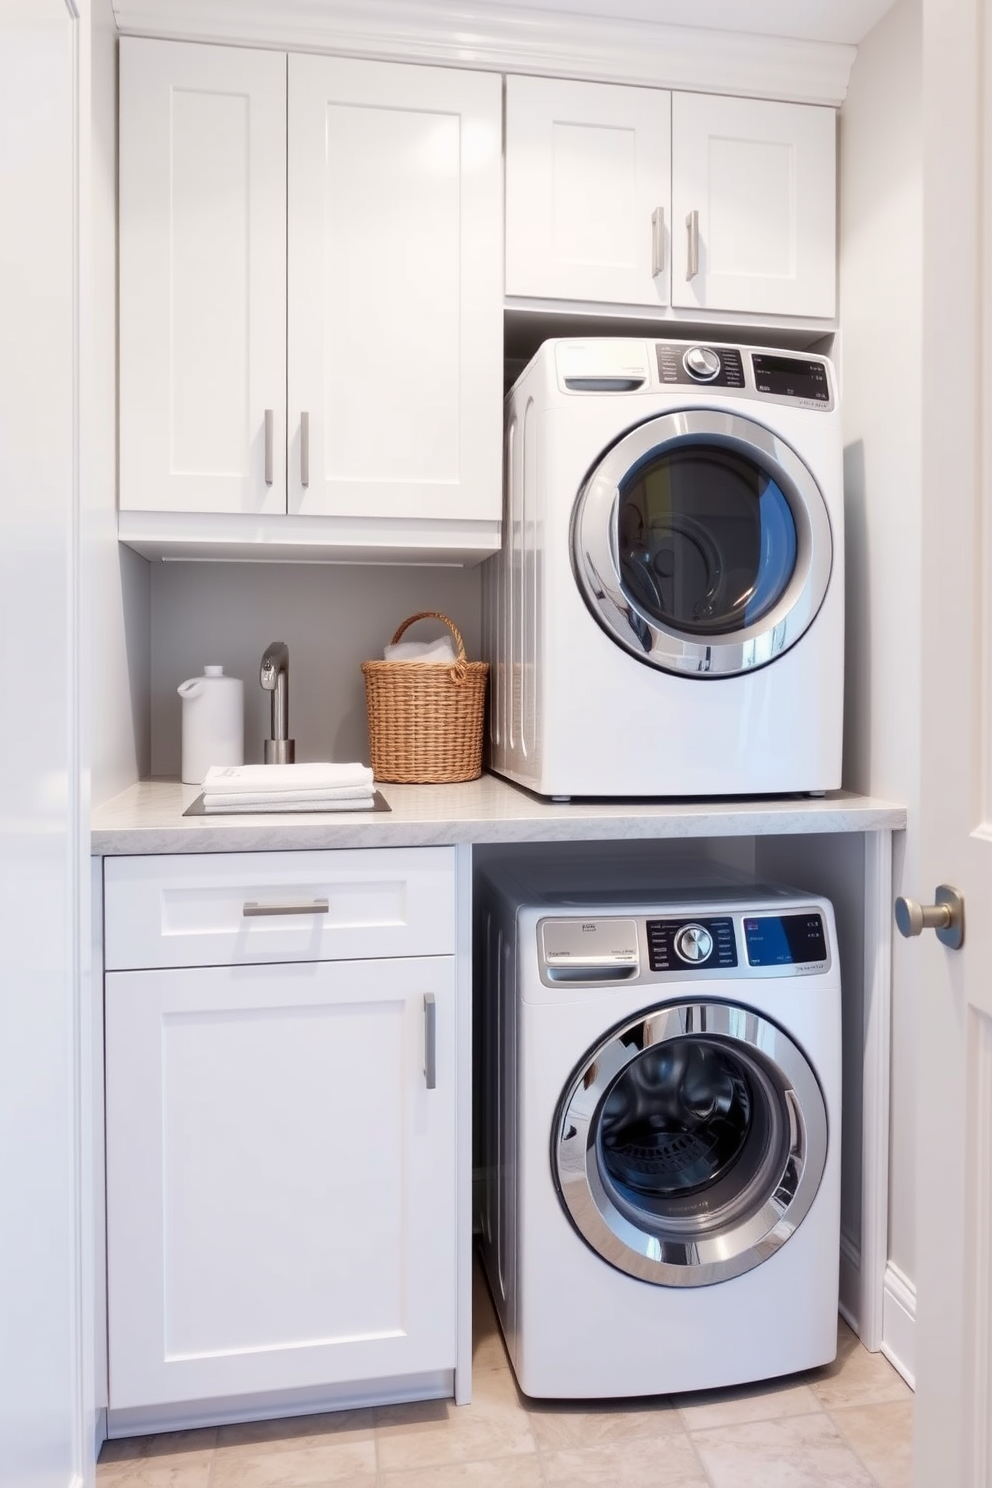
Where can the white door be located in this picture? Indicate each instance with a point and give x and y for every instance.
(588, 179)
(954, 1077)
(202, 278)
(395, 291)
(42, 62)
(280, 1177)
(753, 205)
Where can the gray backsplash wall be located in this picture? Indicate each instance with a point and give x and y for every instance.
(331, 616)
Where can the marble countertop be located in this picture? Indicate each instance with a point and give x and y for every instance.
(147, 818)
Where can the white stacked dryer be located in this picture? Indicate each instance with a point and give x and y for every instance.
(660, 1128)
(666, 615)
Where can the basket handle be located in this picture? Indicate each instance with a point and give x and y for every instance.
(459, 671)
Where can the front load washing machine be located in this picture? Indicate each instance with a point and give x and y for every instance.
(660, 1130)
(666, 614)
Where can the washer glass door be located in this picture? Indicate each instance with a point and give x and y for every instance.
(690, 1143)
(701, 543)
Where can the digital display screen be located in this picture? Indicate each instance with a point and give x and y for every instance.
(790, 377)
(785, 940)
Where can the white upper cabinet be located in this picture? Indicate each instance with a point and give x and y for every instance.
(202, 278)
(753, 206)
(682, 202)
(588, 184)
(395, 331)
(383, 339)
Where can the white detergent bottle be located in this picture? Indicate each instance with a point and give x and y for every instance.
(213, 723)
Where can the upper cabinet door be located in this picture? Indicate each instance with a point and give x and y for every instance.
(202, 278)
(395, 297)
(588, 168)
(753, 206)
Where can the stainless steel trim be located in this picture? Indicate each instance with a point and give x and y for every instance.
(269, 417)
(278, 752)
(252, 908)
(657, 242)
(430, 1041)
(304, 449)
(756, 1219)
(595, 549)
(946, 916)
(692, 248)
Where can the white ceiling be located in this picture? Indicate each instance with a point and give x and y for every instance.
(810, 20)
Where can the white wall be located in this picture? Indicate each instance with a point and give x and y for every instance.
(332, 617)
(880, 354)
(115, 690)
(44, 60)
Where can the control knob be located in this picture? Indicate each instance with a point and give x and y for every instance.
(694, 943)
(701, 363)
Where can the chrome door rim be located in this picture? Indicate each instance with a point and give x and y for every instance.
(595, 549)
(693, 1256)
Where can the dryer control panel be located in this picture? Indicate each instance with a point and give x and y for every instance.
(606, 366)
(682, 363)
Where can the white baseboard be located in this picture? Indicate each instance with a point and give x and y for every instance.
(231, 1410)
(899, 1323)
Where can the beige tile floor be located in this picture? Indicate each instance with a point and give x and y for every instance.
(848, 1425)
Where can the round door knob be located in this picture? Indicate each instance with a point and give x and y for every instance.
(702, 363)
(694, 943)
(946, 916)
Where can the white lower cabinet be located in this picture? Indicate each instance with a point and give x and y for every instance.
(281, 1173)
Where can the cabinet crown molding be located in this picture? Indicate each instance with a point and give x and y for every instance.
(454, 34)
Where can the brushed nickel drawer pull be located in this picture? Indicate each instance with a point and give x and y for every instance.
(304, 449)
(313, 906)
(430, 1041)
(692, 227)
(657, 242)
(268, 445)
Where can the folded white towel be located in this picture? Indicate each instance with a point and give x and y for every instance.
(274, 798)
(246, 806)
(441, 650)
(272, 778)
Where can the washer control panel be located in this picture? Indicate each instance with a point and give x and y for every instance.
(687, 945)
(599, 948)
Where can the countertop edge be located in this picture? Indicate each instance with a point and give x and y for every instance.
(147, 819)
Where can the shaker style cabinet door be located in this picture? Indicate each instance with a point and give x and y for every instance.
(587, 191)
(753, 206)
(280, 1177)
(395, 299)
(202, 278)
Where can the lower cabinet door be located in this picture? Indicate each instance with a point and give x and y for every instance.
(280, 1176)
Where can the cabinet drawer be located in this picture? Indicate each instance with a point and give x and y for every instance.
(231, 908)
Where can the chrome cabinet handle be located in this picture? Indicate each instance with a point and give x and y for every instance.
(304, 449)
(268, 446)
(313, 906)
(657, 242)
(946, 916)
(692, 225)
(430, 1040)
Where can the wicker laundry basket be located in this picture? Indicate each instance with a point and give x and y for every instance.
(425, 718)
